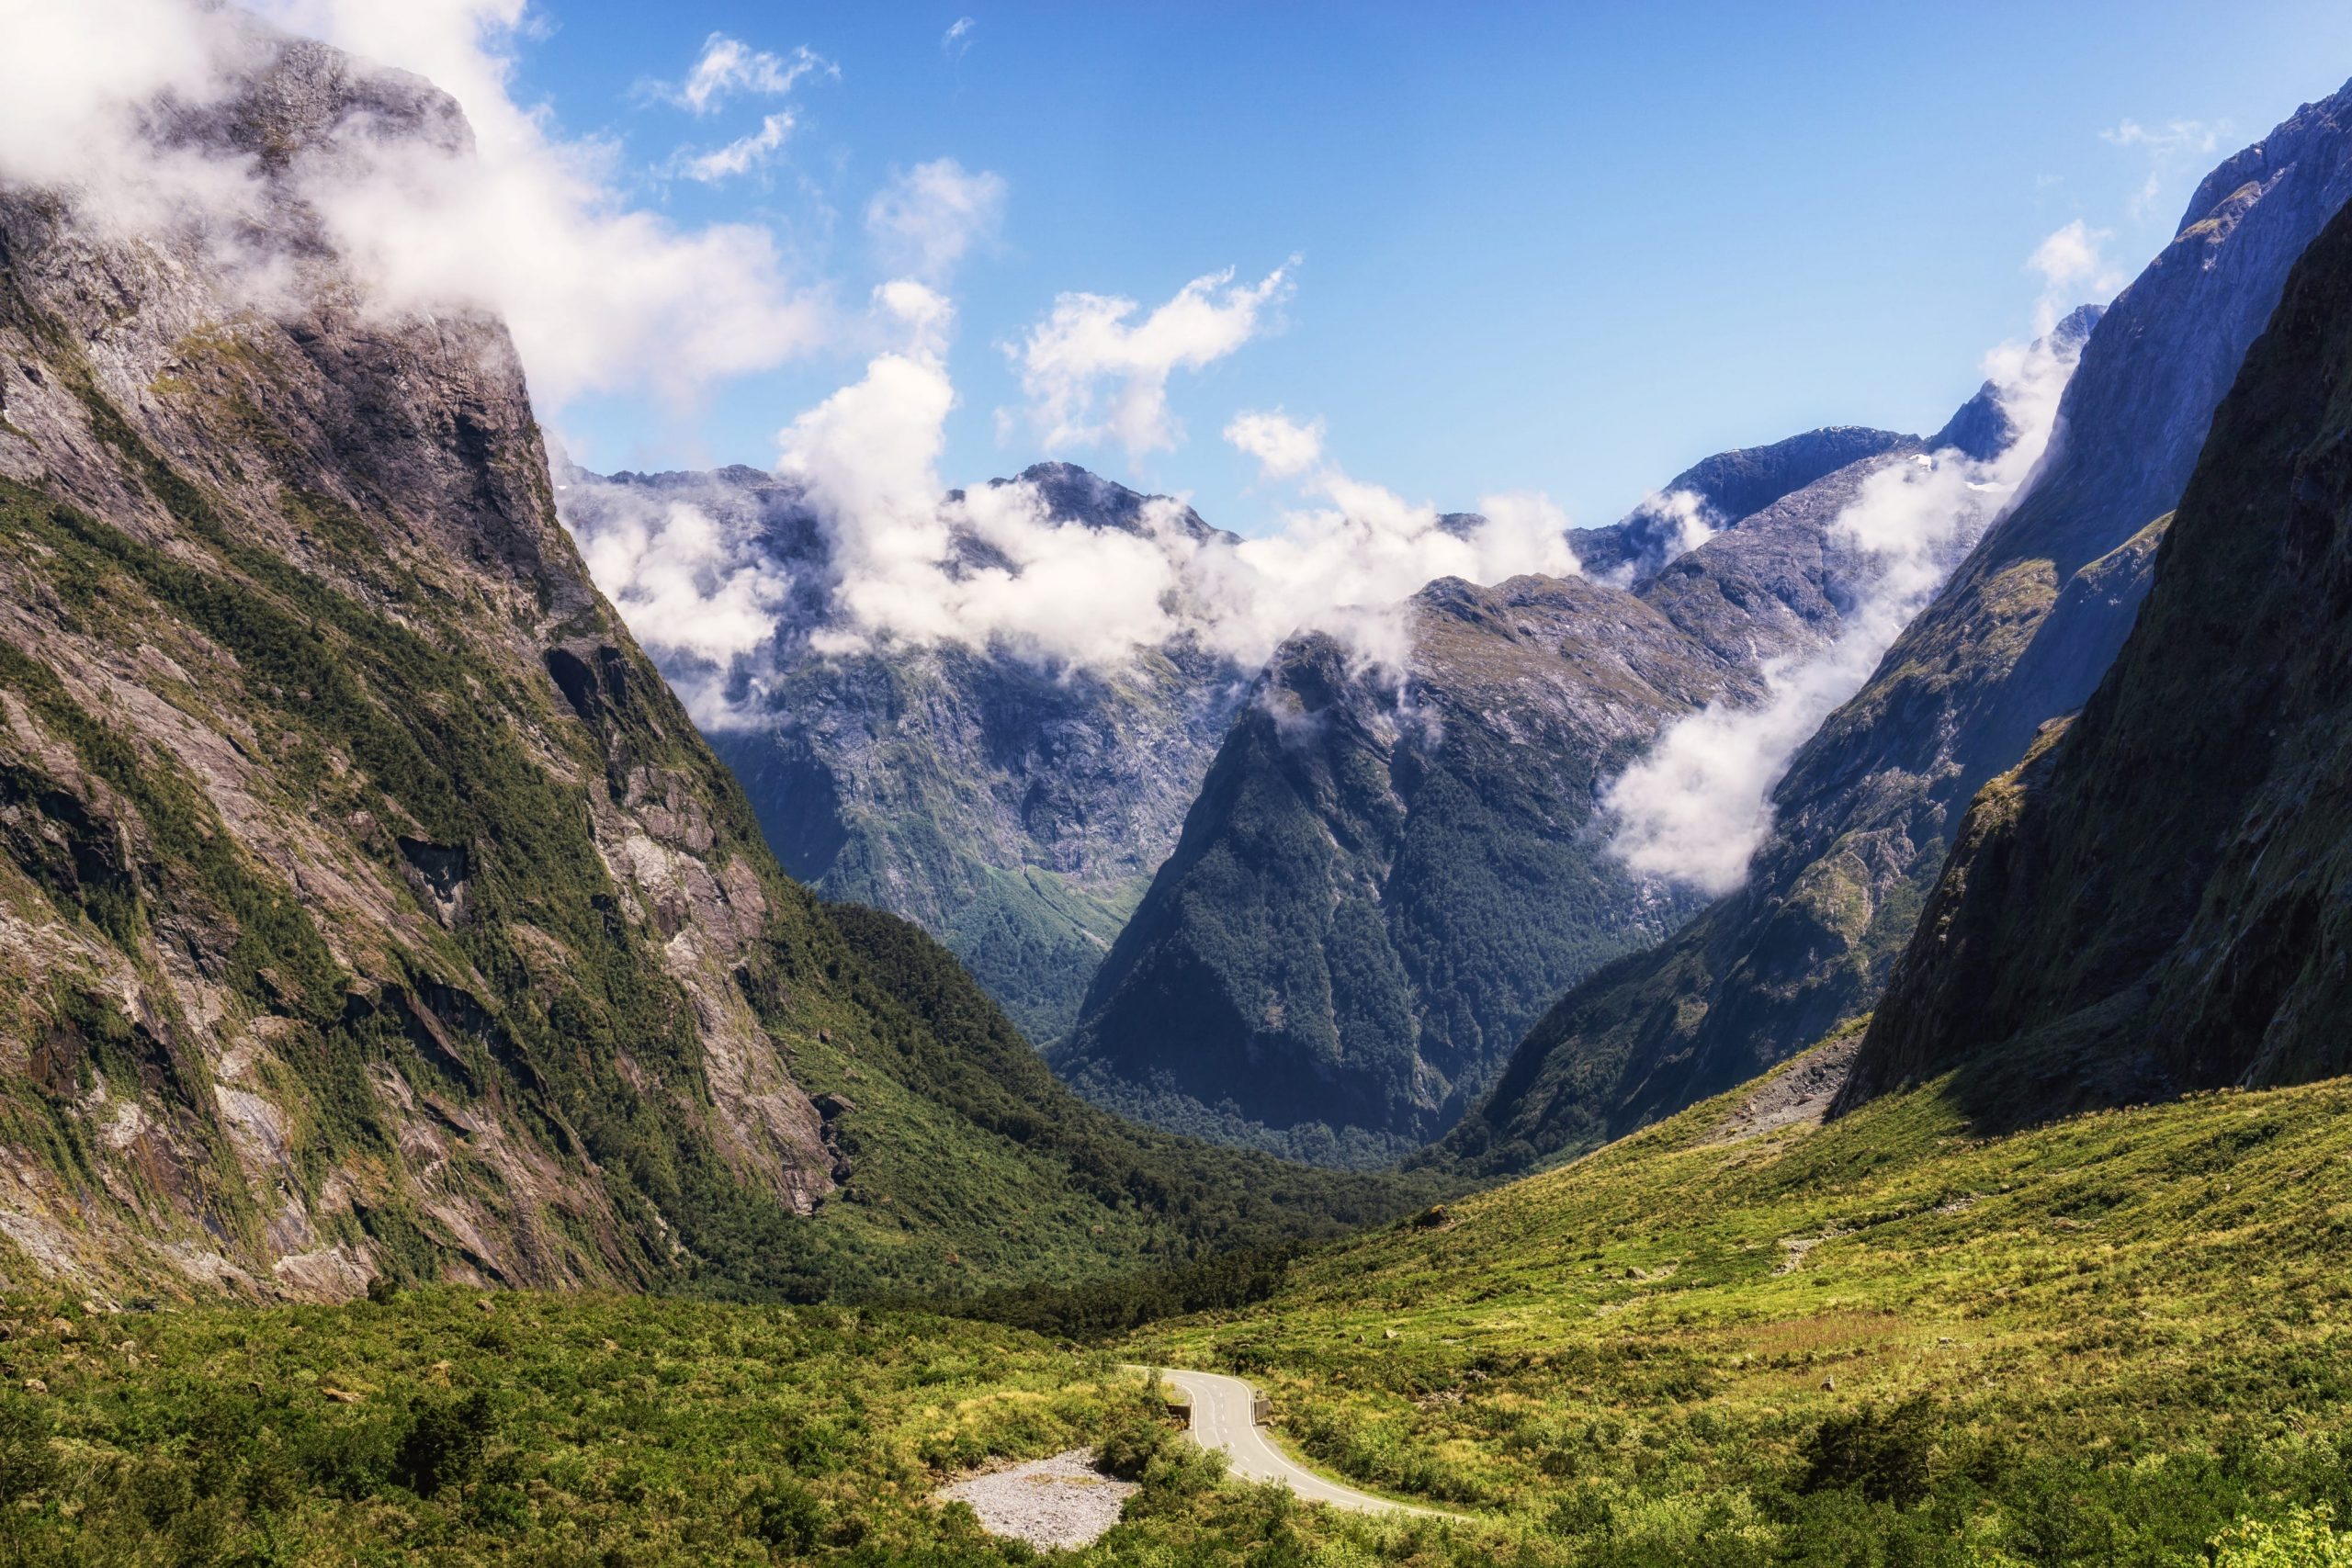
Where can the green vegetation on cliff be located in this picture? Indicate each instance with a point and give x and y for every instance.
(370, 910)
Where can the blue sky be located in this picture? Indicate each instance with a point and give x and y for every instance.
(1567, 249)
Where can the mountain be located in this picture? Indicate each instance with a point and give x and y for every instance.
(1014, 807)
(368, 906)
(2153, 900)
(1716, 492)
(2019, 637)
(1389, 873)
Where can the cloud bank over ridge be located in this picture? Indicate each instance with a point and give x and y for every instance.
(1695, 808)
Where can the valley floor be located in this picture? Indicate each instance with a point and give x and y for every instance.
(2115, 1339)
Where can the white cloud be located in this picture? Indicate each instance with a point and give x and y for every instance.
(929, 217)
(958, 39)
(2073, 266)
(1346, 566)
(1094, 372)
(699, 590)
(727, 67)
(1697, 804)
(867, 457)
(740, 156)
(77, 86)
(996, 568)
(535, 228)
(2069, 256)
(1284, 448)
(2166, 148)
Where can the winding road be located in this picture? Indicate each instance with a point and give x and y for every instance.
(1223, 1419)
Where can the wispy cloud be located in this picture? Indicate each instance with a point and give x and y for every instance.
(958, 39)
(740, 156)
(1095, 371)
(1695, 808)
(2074, 268)
(2169, 149)
(729, 67)
(926, 220)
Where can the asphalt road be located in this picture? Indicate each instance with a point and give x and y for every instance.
(1221, 1419)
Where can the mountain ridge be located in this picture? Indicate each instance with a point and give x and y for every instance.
(1311, 972)
(2018, 636)
(2150, 901)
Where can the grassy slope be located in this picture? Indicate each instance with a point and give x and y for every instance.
(2128, 1326)
(2124, 1329)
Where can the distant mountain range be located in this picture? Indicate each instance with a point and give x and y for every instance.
(1310, 909)
(1389, 874)
(1016, 809)
(1318, 906)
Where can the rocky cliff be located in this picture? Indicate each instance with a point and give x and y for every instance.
(2155, 899)
(368, 906)
(2019, 637)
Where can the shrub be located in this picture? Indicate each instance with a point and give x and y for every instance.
(1882, 1453)
(2306, 1538)
(444, 1443)
(1131, 1444)
(784, 1514)
(28, 1465)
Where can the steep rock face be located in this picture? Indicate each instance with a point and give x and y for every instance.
(2156, 899)
(336, 794)
(2017, 637)
(1389, 873)
(368, 904)
(1015, 808)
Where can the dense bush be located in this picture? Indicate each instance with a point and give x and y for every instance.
(1882, 1453)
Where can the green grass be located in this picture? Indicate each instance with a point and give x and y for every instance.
(2097, 1341)
(2116, 1339)
(534, 1428)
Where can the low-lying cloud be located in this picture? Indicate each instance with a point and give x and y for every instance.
(696, 579)
(1696, 806)
(907, 563)
(1064, 590)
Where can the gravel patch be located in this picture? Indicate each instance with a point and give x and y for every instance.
(1059, 1502)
